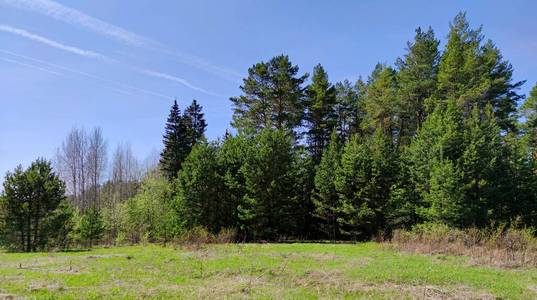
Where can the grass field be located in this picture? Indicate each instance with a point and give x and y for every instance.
(277, 271)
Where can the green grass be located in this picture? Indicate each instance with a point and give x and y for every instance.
(274, 271)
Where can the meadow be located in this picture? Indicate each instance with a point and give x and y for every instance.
(262, 271)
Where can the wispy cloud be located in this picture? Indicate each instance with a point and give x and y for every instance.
(178, 80)
(91, 54)
(72, 16)
(49, 42)
(125, 88)
(29, 66)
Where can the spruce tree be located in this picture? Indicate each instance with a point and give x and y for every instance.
(91, 226)
(363, 182)
(200, 189)
(320, 114)
(176, 142)
(444, 198)
(194, 122)
(481, 164)
(269, 204)
(325, 197)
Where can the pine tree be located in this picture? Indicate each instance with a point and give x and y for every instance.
(30, 203)
(475, 74)
(325, 197)
(416, 78)
(273, 97)
(320, 114)
(381, 102)
(175, 143)
(349, 108)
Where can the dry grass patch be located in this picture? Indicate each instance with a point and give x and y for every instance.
(499, 247)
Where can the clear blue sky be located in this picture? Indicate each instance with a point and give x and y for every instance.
(117, 64)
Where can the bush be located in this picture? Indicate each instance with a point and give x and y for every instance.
(200, 235)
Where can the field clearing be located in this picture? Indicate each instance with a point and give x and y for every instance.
(268, 271)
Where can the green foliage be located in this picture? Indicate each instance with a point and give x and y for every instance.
(33, 208)
(475, 74)
(529, 111)
(273, 97)
(268, 206)
(349, 108)
(91, 227)
(325, 197)
(320, 115)
(199, 187)
(363, 183)
(381, 102)
(416, 79)
(175, 143)
(181, 134)
(150, 216)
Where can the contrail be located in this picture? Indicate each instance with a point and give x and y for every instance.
(91, 54)
(48, 42)
(177, 79)
(73, 16)
(94, 77)
(29, 66)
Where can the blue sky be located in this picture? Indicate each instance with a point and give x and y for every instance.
(118, 64)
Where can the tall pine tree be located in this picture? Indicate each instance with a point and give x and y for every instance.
(273, 97)
(320, 114)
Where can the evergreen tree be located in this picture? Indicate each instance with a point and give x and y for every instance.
(416, 78)
(273, 97)
(349, 108)
(480, 163)
(381, 102)
(199, 189)
(529, 111)
(440, 137)
(195, 123)
(303, 175)
(437, 147)
(475, 74)
(231, 157)
(91, 227)
(445, 196)
(325, 197)
(363, 183)
(176, 143)
(267, 209)
(31, 202)
(320, 115)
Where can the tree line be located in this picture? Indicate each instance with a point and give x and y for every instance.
(442, 136)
